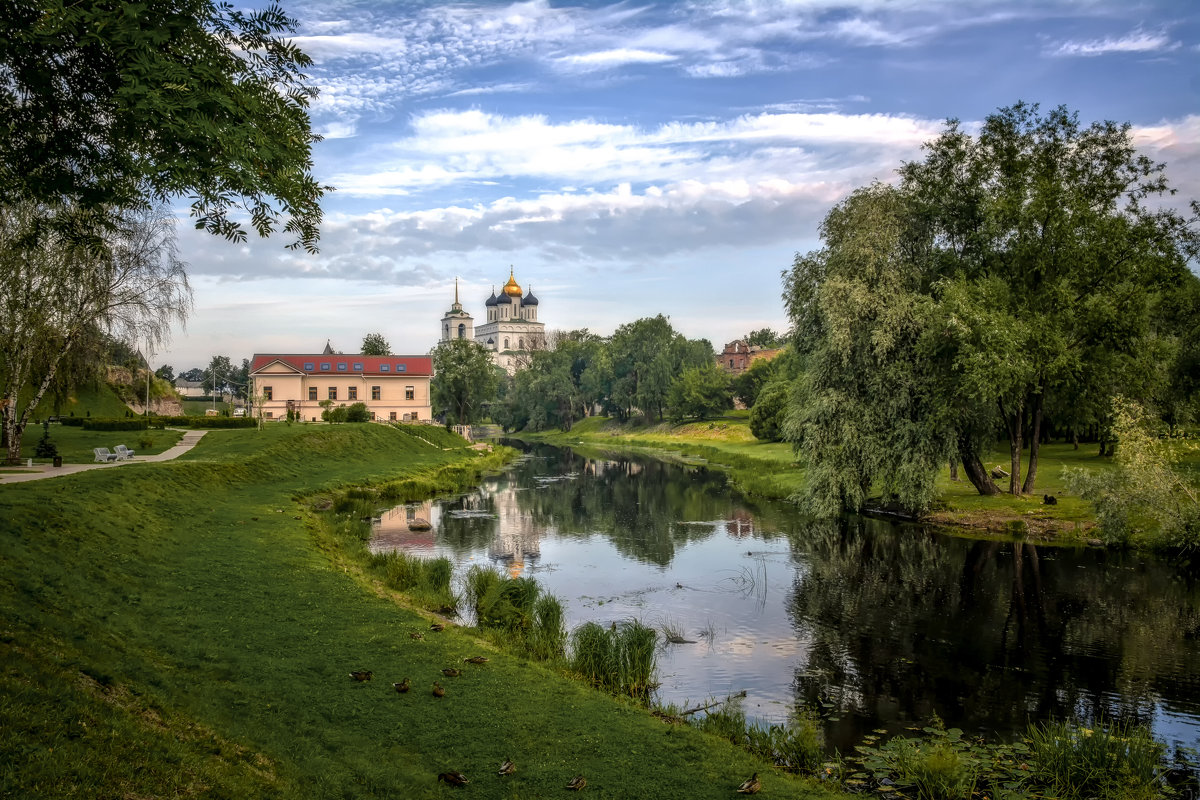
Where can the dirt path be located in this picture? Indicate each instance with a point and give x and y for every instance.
(43, 471)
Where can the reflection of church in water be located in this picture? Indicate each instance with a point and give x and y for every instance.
(517, 541)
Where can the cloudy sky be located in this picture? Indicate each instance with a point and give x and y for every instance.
(634, 158)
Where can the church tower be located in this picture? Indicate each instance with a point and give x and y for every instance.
(456, 323)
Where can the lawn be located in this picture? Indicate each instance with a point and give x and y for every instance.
(183, 629)
(75, 444)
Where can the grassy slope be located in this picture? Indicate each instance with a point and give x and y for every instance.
(770, 470)
(173, 629)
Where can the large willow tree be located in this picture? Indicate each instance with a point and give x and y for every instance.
(1007, 273)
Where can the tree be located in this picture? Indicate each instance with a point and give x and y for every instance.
(764, 337)
(166, 372)
(700, 392)
(1008, 274)
(768, 413)
(218, 375)
(122, 104)
(193, 375)
(55, 292)
(463, 381)
(357, 412)
(374, 344)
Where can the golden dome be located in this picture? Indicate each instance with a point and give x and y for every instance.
(512, 288)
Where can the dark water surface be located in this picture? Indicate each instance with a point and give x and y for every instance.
(875, 624)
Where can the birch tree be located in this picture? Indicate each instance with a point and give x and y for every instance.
(55, 288)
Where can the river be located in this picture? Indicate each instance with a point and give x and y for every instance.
(873, 624)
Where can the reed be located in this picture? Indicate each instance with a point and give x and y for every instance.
(549, 635)
(1105, 760)
(427, 581)
(621, 659)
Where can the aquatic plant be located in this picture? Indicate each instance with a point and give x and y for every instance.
(548, 637)
(1103, 760)
(427, 581)
(621, 658)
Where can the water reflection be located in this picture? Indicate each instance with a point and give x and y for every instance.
(875, 624)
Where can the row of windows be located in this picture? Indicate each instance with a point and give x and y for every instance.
(351, 393)
(413, 417)
(326, 366)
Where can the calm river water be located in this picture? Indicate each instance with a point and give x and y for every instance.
(875, 624)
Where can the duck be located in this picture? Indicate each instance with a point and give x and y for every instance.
(577, 783)
(476, 660)
(451, 672)
(437, 627)
(438, 691)
(507, 768)
(416, 635)
(361, 674)
(750, 785)
(402, 686)
(453, 778)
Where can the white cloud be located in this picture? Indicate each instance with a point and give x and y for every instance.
(607, 59)
(1138, 41)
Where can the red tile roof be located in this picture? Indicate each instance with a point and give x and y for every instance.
(420, 366)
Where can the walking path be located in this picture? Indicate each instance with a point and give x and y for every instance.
(43, 471)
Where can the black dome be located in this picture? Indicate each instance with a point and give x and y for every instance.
(504, 300)
(529, 300)
(491, 301)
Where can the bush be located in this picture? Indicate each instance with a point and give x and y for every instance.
(73, 422)
(133, 424)
(205, 422)
(1104, 761)
(358, 412)
(45, 447)
(766, 417)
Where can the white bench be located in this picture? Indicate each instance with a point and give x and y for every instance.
(123, 453)
(103, 455)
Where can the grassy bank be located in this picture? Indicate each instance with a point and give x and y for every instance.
(75, 444)
(770, 469)
(180, 629)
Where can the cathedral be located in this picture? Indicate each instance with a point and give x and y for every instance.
(512, 329)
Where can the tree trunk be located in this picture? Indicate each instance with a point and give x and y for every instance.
(1034, 444)
(976, 472)
(953, 468)
(1075, 438)
(1015, 422)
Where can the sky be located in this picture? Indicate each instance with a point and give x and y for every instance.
(636, 158)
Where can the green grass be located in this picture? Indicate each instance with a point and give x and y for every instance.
(100, 401)
(75, 444)
(184, 628)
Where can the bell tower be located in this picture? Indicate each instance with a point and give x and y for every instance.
(456, 323)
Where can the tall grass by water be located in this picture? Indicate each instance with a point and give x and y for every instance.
(621, 658)
(517, 611)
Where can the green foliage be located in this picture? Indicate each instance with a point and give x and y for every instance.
(699, 393)
(204, 422)
(115, 105)
(427, 581)
(166, 372)
(768, 414)
(1009, 276)
(532, 622)
(621, 658)
(463, 381)
(357, 412)
(45, 447)
(1103, 762)
(133, 424)
(373, 344)
(1146, 499)
(764, 337)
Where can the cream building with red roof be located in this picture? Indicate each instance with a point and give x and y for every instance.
(392, 387)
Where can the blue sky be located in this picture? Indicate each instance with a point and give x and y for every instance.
(635, 158)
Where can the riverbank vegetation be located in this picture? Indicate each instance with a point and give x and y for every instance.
(186, 628)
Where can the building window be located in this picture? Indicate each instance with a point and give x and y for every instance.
(731, 363)
(358, 367)
(375, 393)
(352, 393)
(312, 393)
(521, 344)
(392, 416)
(341, 367)
(401, 367)
(506, 344)
(409, 392)
(324, 367)
(270, 414)
(309, 366)
(268, 394)
(462, 331)
(372, 416)
(333, 393)
(385, 368)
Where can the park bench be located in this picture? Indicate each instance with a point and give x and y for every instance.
(123, 453)
(103, 455)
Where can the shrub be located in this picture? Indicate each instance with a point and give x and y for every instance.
(1104, 761)
(357, 412)
(132, 424)
(73, 422)
(45, 447)
(766, 417)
